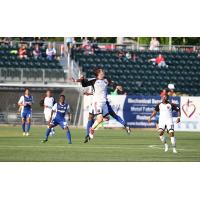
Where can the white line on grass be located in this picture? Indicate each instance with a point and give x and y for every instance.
(157, 147)
(89, 147)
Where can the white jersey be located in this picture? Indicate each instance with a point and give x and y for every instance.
(100, 91)
(165, 110)
(49, 102)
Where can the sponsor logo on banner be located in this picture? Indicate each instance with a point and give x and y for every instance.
(190, 114)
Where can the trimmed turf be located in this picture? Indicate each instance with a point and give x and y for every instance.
(108, 145)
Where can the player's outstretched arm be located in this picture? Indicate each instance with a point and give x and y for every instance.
(79, 80)
(179, 117)
(152, 115)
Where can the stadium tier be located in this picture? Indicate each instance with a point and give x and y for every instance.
(138, 76)
(11, 66)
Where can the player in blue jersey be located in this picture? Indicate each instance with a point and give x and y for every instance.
(58, 113)
(25, 102)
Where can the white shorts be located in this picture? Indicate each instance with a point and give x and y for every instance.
(162, 125)
(98, 108)
(47, 116)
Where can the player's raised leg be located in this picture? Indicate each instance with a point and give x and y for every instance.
(98, 120)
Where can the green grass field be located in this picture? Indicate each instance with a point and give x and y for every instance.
(108, 145)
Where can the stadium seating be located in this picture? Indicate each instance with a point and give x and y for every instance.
(141, 77)
(11, 66)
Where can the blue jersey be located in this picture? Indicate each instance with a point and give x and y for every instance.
(60, 110)
(28, 101)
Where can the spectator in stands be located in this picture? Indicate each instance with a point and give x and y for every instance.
(50, 52)
(85, 42)
(121, 55)
(128, 55)
(159, 60)
(22, 51)
(154, 44)
(94, 44)
(163, 93)
(6, 41)
(69, 42)
(119, 91)
(36, 52)
(86, 45)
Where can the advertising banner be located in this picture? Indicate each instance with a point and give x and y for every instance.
(190, 114)
(134, 109)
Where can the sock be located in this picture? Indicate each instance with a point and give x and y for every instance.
(119, 119)
(173, 141)
(48, 131)
(23, 126)
(163, 139)
(68, 135)
(28, 126)
(89, 125)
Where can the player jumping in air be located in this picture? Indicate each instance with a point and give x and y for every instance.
(25, 102)
(60, 109)
(100, 106)
(48, 103)
(165, 108)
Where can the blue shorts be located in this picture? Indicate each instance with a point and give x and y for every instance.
(62, 122)
(26, 114)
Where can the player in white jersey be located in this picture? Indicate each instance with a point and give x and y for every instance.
(48, 103)
(165, 108)
(99, 106)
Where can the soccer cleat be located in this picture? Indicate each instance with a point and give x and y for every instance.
(91, 134)
(87, 139)
(127, 128)
(44, 141)
(27, 134)
(24, 134)
(174, 150)
(166, 147)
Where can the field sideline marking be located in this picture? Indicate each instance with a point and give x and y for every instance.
(91, 147)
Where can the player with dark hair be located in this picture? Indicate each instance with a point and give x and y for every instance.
(59, 109)
(25, 102)
(165, 108)
(98, 84)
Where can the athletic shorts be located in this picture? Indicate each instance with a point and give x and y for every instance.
(99, 108)
(162, 125)
(61, 122)
(47, 116)
(26, 114)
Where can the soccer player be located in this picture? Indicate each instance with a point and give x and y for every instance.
(60, 109)
(92, 114)
(165, 108)
(48, 103)
(100, 106)
(25, 103)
